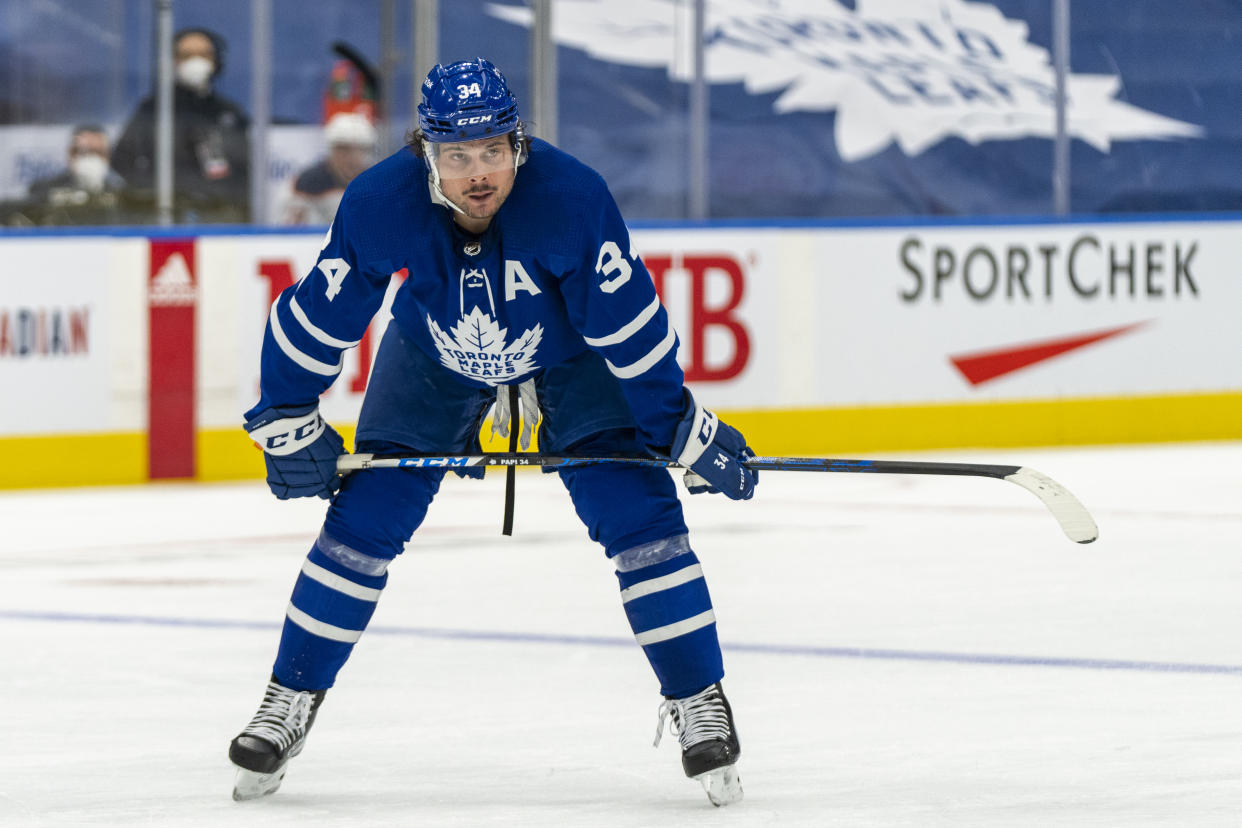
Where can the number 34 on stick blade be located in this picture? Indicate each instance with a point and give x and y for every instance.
(1073, 517)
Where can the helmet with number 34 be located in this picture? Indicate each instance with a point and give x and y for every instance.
(465, 102)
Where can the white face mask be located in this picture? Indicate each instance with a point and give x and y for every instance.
(195, 72)
(90, 171)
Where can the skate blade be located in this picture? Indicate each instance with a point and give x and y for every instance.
(723, 785)
(251, 785)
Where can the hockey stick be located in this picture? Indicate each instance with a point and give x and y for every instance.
(1073, 517)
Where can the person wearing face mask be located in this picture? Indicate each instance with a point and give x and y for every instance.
(85, 192)
(211, 148)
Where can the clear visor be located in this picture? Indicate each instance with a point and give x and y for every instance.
(471, 159)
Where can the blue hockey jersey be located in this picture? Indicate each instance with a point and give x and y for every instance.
(554, 274)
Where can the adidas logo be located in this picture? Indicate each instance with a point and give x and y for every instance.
(173, 284)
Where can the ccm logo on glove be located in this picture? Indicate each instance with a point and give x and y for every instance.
(286, 436)
(705, 425)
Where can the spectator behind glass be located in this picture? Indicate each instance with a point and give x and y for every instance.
(211, 150)
(318, 189)
(85, 192)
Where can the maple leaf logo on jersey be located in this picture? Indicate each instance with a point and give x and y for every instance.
(475, 347)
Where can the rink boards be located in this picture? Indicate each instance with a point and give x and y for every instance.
(129, 356)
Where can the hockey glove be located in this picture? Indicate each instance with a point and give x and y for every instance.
(300, 450)
(713, 452)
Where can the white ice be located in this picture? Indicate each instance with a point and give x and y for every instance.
(900, 650)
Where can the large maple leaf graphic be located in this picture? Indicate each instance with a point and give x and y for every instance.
(854, 58)
(475, 347)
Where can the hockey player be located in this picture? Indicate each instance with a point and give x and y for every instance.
(520, 271)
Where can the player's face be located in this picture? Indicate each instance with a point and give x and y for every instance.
(477, 176)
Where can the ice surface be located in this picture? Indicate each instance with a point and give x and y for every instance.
(900, 651)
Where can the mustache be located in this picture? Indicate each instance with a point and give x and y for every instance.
(479, 190)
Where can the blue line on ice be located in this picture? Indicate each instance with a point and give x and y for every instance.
(603, 641)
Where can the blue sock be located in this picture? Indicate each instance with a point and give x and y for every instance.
(670, 611)
(332, 603)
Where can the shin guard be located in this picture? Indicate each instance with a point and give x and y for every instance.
(333, 600)
(670, 611)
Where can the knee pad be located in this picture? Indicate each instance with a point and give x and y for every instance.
(624, 507)
(377, 510)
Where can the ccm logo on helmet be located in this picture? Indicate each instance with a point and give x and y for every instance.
(477, 119)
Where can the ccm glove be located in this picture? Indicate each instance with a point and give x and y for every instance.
(300, 450)
(713, 453)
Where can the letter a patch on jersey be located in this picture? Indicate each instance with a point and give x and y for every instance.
(516, 278)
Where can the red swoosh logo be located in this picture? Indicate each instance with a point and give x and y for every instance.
(983, 366)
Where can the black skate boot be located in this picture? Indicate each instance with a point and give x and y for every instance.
(274, 736)
(703, 723)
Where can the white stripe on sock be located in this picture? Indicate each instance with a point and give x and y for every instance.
(673, 579)
(321, 629)
(343, 585)
(674, 630)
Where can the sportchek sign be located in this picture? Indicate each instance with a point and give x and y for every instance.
(933, 314)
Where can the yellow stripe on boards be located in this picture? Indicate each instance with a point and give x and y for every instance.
(228, 454)
(73, 460)
(1093, 421)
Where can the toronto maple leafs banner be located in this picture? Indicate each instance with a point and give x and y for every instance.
(900, 107)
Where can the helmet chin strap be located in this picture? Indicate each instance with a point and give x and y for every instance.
(438, 196)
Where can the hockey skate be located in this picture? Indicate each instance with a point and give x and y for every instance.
(275, 735)
(703, 724)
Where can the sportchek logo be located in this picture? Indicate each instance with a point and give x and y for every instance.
(979, 367)
(895, 71)
(1088, 267)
